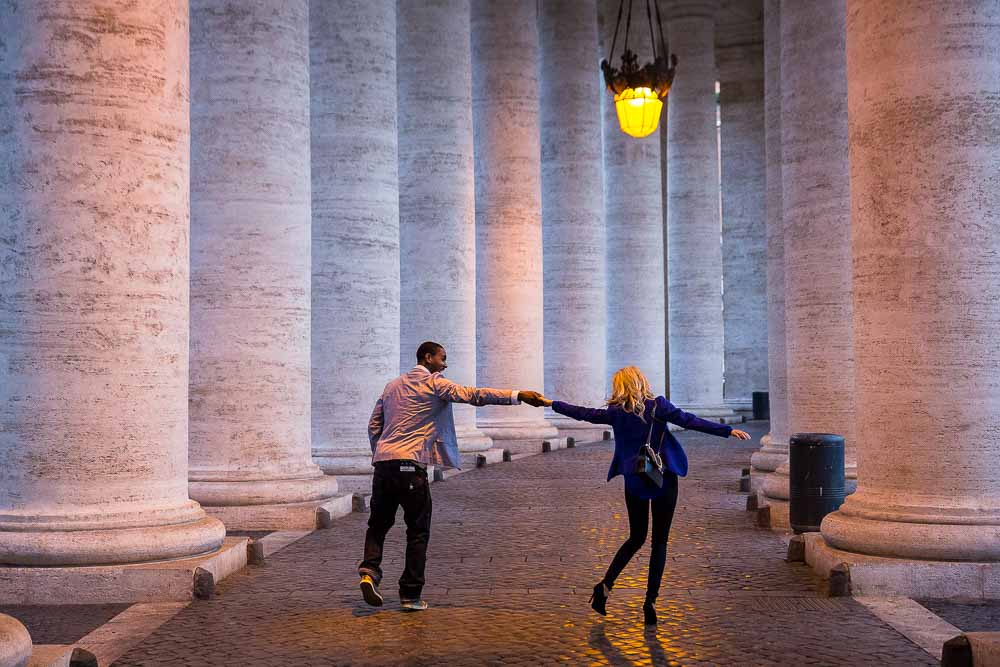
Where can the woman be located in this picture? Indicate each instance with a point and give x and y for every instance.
(632, 411)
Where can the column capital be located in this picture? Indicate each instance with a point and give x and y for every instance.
(682, 9)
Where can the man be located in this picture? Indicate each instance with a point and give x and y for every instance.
(412, 427)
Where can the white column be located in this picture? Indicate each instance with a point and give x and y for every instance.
(774, 446)
(816, 200)
(926, 241)
(508, 217)
(94, 283)
(633, 210)
(437, 196)
(572, 211)
(693, 226)
(251, 453)
(355, 253)
(744, 213)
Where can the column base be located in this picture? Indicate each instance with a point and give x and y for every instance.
(163, 581)
(520, 437)
(352, 467)
(471, 439)
(240, 492)
(65, 547)
(310, 515)
(581, 432)
(901, 577)
(15, 643)
(488, 457)
(772, 454)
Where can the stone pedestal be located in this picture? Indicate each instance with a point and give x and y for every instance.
(355, 229)
(572, 212)
(15, 643)
(774, 446)
(633, 215)
(926, 270)
(694, 260)
(508, 218)
(740, 57)
(250, 270)
(816, 201)
(437, 197)
(94, 284)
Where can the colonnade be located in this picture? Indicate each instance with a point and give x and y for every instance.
(225, 228)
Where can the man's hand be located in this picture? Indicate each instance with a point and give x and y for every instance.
(740, 435)
(532, 398)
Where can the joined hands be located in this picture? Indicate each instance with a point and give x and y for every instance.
(533, 398)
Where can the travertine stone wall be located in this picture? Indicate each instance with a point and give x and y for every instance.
(572, 210)
(926, 240)
(694, 247)
(355, 241)
(816, 199)
(250, 269)
(437, 197)
(633, 206)
(744, 212)
(774, 445)
(94, 285)
(509, 308)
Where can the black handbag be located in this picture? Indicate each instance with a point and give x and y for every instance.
(649, 464)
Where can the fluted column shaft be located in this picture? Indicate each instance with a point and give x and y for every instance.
(816, 201)
(694, 260)
(355, 240)
(572, 210)
(509, 309)
(774, 445)
(744, 212)
(94, 285)
(437, 196)
(633, 209)
(250, 268)
(926, 241)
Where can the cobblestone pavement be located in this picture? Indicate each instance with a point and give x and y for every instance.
(515, 549)
(970, 616)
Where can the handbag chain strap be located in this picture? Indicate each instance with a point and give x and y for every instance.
(653, 454)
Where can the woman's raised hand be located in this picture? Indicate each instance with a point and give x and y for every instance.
(741, 435)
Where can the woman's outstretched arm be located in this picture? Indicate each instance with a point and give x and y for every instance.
(579, 413)
(673, 414)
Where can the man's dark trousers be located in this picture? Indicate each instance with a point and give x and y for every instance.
(398, 483)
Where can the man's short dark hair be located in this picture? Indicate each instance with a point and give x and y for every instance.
(428, 347)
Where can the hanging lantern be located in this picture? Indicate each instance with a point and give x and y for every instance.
(639, 91)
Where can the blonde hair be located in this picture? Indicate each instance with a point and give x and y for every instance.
(629, 390)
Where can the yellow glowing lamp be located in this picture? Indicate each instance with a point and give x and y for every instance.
(638, 111)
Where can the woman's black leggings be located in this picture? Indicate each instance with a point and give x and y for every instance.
(638, 524)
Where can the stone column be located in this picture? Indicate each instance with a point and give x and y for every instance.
(744, 211)
(633, 211)
(816, 202)
(509, 308)
(355, 252)
(693, 226)
(94, 282)
(926, 242)
(572, 211)
(774, 446)
(251, 454)
(437, 196)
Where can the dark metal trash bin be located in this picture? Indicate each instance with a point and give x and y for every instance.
(761, 405)
(816, 484)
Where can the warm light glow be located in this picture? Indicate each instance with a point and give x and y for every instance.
(638, 111)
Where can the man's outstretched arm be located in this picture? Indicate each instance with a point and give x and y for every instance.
(452, 392)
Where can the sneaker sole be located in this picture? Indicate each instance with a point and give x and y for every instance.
(371, 595)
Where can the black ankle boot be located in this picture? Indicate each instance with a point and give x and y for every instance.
(648, 613)
(599, 599)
